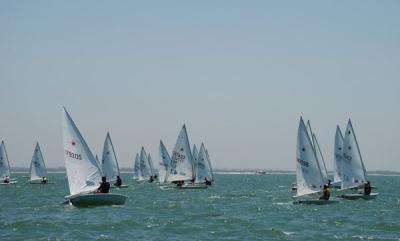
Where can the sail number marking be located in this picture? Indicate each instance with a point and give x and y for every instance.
(73, 155)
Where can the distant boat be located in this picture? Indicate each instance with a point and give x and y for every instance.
(261, 172)
(164, 164)
(83, 171)
(338, 158)
(353, 169)
(203, 174)
(145, 170)
(5, 175)
(151, 166)
(181, 169)
(38, 171)
(308, 173)
(136, 168)
(110, 163)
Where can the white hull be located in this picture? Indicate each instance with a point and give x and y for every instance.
(316, 202)
(355, 196)
(97, 199)
(11, 182)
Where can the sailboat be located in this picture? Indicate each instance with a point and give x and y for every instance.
(38, 171)
(151, 166)
(338, 157)
(181, 170)
(318, 154)
(354, 174)
(203, 174)
(308, 173)
(109, 162)
(136, 168)
(195, 156)
(164, 164)
(83, 171)
(210, 166)
(5, 175)
(144, 166)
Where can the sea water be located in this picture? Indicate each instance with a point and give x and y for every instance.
(237, 207)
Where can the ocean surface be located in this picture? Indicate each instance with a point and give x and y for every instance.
(237, 207)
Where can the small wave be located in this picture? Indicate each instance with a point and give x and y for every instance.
(214, 197)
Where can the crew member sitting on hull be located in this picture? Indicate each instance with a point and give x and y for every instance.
(104, 186)
(367, 188)
(325, 193)
(118, 183)
(151, 179)
(44, 180)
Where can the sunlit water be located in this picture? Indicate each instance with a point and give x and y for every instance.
(237, 207)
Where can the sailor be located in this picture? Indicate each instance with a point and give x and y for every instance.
(44, 180)
(118, 183)
(325, 193)
(207, 181)
(104, 186)
(367, 188)
(6, 180)
(151, 179)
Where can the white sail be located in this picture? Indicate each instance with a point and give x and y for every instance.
(83, 171)
(181, 162)
(320, 159)
(136, 167)
(109, 160)
(164, 164)
(209, 164)
(195, 156)
(151, 165)
(308, 173)
(144, 165)
(338, 156)
(38, 167)
(353, 169)
(203, 169)
(4, 163)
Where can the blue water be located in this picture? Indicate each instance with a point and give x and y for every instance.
(237, 207)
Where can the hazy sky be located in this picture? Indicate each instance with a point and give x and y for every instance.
(238, 73)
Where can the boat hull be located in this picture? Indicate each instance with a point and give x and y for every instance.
(98, 199)
(355, 196)
(7, 183)
(316, 202)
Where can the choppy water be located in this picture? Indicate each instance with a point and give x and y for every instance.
(238, 207)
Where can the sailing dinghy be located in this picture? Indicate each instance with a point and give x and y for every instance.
(110, 163)
(203, 169)
(353, 169)
(83, 171)
(164, 164)
(308, 173)
(338, 157)
(181, 171)
(5, 175)
(38, 171)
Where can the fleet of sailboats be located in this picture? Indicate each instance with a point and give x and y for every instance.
(191, 169)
